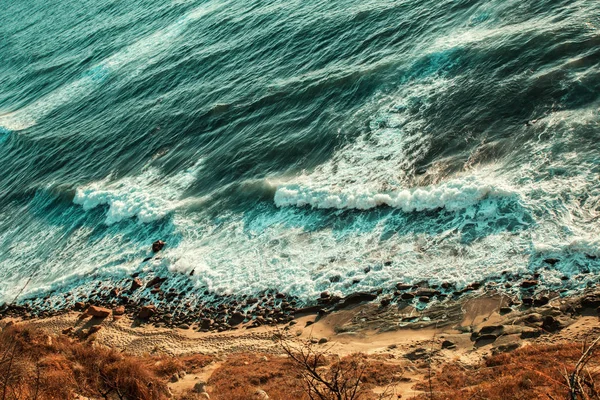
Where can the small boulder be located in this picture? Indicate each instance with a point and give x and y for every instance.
(323, 340)
(147, 311)
(407, 296)
(120, 310)
(98, 312)
(529, 284)
(446, 344)
(136, 283)
(158, 246)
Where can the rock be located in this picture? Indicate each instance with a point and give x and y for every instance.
(357, 298)
(528, 301)
(505, 310)
(551, 261)
(403, 286)
(485, 340)
(236, 318)
(323, 340)
(530, 333)
(590, 301)
(384, 302)
(200, 387)
(260, 395)
(529, 283)
(156, 281)
(417, 354)
(184, 326)
(424, 299)
(427, 292)
(541, 301)
(147, 311)
(158, 246)
(551, 324)
(206, 323)
(98, 312)
(79, 306)
(446, 344)
(67, 331)
(94, 329)
(407, 296)
(136, 283)
(486, 330)
(120, 310)
(174, 378)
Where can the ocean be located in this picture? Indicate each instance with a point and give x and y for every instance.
(298, 146)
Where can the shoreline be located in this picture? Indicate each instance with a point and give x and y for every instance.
(149, 300)
(465, 331)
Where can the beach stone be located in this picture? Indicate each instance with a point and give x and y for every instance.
(174, 378)
(528, 301)
(147, 311)
(407, 296)
(358, 297)
(427, 292)
(551, 324)
(424, 299)
(447, 344)
(98, 312)
(384, 302)
(158, 246)
(156, 281)
(206, 323)
(323, 340)
(236, 318)
(541, 301)
(403, 286)
(79, 306)
(530, 333)
(136, 283)
(120, 310)
(529, 284)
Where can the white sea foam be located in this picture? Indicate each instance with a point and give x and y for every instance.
(147, 197)
(453, 195)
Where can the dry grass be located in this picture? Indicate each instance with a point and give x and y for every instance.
(533, 372)
(34, 365)
(242, 374)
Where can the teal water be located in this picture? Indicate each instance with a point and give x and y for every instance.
(298, 146)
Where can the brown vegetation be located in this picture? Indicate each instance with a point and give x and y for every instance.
(34, 365)
(533, 372)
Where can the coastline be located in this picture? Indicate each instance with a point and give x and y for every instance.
(464, 331)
